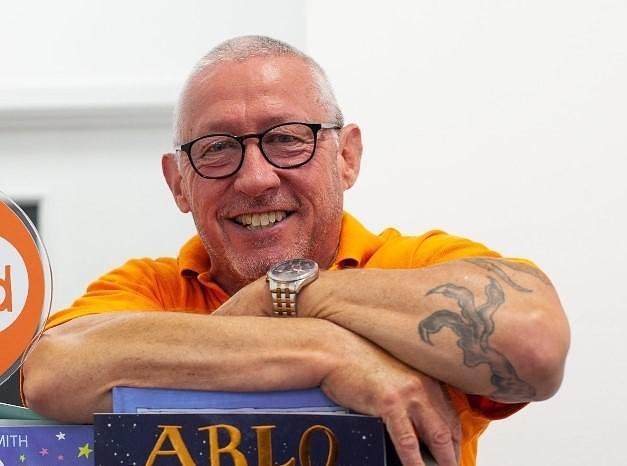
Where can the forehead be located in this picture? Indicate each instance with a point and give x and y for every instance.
(250, 95)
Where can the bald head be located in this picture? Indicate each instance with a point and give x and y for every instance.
(241, 49)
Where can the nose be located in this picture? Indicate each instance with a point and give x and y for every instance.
(256, 176)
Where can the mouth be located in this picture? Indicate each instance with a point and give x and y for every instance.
(259, 220)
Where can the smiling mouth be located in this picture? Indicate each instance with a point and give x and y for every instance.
(261, 220)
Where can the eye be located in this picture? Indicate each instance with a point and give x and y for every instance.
(216, 151)
(281, 138)
(216, 147)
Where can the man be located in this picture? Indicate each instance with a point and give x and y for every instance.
(435, 334)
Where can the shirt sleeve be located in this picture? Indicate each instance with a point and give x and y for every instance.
(493, 410)
(138, 285)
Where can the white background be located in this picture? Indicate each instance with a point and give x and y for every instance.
(504, 121)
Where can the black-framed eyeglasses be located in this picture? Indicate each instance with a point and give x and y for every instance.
(288, 145)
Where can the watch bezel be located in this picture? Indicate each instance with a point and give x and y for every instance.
(279, 274)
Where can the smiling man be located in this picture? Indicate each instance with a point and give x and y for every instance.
(251, 214)
(436, 334)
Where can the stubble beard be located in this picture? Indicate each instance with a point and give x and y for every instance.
(238, 270)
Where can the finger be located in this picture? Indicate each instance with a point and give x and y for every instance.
(404, 438)
(451, 417)
(455, 429)
(438, 437)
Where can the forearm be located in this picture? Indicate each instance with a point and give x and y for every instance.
(90, 355)
(480, 324)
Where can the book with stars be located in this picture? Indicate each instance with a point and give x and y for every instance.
(45, 444)
(241, 439)
(165, 427)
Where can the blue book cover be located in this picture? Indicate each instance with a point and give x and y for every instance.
(259, 439)
(22, 444)
(142, 400)
(256, 407)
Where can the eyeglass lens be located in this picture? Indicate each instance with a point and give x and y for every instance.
(284, 146)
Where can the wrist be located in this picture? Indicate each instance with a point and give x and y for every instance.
(286, 280)
(315, 298)
(263, 294)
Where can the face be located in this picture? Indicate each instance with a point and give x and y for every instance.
(262, 214)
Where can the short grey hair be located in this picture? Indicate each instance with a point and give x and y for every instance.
(241, 49)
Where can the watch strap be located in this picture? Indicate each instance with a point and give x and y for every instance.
(283, 299)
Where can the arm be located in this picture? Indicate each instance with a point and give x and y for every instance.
(486, 326)
(90, 355)
(177, 350)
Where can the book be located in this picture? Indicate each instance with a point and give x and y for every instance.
(238, 418)
(12, 413)
(294, 410)
(240, 439)
(145, 400)
(27, 439)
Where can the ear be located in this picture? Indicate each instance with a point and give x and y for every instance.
(349, 155)
(169, 164)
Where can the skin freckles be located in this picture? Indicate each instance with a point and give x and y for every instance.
(248, 97)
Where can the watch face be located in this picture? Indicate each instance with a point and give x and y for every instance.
(293, 269)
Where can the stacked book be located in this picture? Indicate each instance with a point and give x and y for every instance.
(157, 427)
(27, 439)
(304, 427)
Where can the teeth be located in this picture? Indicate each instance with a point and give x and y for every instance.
(265, 219)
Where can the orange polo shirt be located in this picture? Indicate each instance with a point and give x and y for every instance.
(185, 285)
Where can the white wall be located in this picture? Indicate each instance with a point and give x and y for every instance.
(500, 120)
(504, 121)
(86, 93)
(75, 52)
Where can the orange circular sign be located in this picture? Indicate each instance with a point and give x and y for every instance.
(25, 286)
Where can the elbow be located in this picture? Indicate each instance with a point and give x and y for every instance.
(44, 382)
(38, 390)
(545, 371)
(540, 355)
(36, 397)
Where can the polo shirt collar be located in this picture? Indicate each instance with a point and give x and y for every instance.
(193, 259)
(356, 246)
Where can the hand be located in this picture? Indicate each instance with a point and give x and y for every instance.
(252, 300)
(414, 406)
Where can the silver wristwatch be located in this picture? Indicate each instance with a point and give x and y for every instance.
(285, 280)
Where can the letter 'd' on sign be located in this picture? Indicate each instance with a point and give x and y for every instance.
(6, 295)
(14, 284)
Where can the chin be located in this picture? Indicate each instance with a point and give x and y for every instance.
(251, 267)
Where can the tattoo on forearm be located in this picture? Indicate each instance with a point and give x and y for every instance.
(496, 266)
(474, 326)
